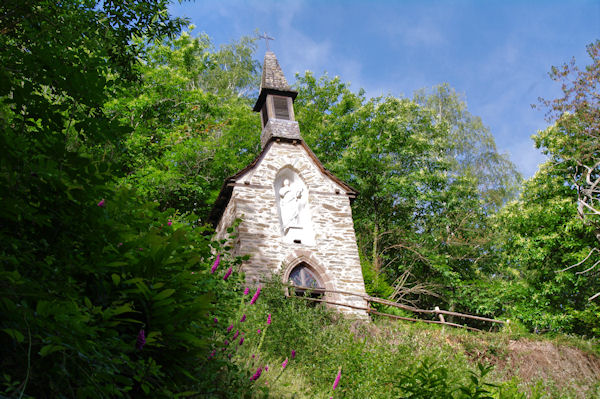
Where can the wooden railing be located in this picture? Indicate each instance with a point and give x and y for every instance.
(370, 299)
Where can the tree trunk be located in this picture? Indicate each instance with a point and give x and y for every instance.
(375, 248)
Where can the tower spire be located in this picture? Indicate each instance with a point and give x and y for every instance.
(272, 75)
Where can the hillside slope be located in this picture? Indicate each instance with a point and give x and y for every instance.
(390, 359)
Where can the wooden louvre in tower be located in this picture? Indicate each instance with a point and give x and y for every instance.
(281, 107)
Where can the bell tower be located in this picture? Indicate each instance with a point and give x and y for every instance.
(276, 103)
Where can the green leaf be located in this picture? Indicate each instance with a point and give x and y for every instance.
(164, 294)
(117, 264)
(14, 334)
(43, 308)
(111, 312)
(48, 349)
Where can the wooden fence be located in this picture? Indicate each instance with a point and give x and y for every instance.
(370, 299)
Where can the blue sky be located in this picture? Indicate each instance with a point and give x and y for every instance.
(496, 53)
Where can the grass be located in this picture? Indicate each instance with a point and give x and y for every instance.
(390, 359)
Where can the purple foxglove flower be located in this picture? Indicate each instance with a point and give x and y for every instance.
(227, 274)
(337, 379)
(241, 340)
(226, 343)
(256, 375)
(230, 328)
(216, 320)
(170, 222)
(258, 331)
(212, 354)
(141, 340)
(246, 291)
(216, 264)
(293, 353)
(284, 364)
(253, 356)
(267, 368)
(237, 332)
(101, 203)
(269, 319)
(243, 319)
(255, 297)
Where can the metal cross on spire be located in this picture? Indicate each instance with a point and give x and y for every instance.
(267, 38)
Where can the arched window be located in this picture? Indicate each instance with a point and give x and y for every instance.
(302, 276)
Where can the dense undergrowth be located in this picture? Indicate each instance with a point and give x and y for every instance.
(380, 359)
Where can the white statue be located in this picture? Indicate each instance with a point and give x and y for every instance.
(291, 202)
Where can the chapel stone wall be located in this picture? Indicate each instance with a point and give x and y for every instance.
(334, 254)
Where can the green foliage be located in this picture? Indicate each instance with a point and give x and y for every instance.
(60, 62)
(573, 144)
(84, 296)
(428, 380)
(192, 125)
(86, 266)
(576, 114)
(375, 283)
(542, 234)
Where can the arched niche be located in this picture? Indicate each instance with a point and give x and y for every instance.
(293, 208)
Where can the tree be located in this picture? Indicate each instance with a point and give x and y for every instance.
(539, 231)
(191, 124)
(472, 149)
(85, 266)
(574, 141)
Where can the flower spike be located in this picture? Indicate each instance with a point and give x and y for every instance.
(216, 264)
(255, 297)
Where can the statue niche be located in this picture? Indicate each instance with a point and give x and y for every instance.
(294, 213)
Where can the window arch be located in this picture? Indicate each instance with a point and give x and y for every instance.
(307, 280)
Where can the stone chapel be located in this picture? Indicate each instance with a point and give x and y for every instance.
(295, 215)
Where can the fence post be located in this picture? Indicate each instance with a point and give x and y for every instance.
(441, 316)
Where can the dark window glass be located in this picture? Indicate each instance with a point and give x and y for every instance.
(302, 276)
(265, 114)
(281, 108)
